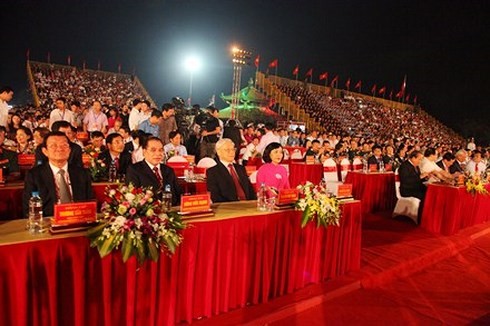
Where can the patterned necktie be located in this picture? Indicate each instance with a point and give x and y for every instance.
(157, 175)
(116, 163)
(64, 191)
(239, 190)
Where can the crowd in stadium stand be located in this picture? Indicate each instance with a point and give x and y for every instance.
(102, 103)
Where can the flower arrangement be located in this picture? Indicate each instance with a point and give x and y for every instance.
(97, 168)
(474, 185)
(317, 204)
(136, 222)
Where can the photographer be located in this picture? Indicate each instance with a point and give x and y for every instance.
(210, 129)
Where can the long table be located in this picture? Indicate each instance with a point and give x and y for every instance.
(238, 257)
(376, 190)
(448, 209)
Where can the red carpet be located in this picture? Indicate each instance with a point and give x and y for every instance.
(408, 276)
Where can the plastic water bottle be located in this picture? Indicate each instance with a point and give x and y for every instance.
(365, 166)
(381, 166)
(35, 220)
(167, 198)
(262, 198)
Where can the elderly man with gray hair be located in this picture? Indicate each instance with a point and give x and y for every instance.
(459, 164)
(228, 181)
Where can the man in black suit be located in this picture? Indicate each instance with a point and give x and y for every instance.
(8, 158)
(411, 180)
(459, 164)
(221, 180)
(446, 162)
(377, 157)
(48, 178)
(75, 150)
(152, 173)
(115, 154)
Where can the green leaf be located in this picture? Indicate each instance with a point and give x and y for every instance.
(127, 249)
(170, 243)
(153, 251)
(305, 217)
(96, 231)
(107, 246)
(140, 252)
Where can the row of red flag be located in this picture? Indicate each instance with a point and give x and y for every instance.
(334, 82)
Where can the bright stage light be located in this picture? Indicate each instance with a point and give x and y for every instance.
(192, 64)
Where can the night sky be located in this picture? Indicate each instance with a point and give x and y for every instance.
(442, 46)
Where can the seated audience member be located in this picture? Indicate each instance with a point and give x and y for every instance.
(228, 181)
(268, 138)
(151, 125)
(135, 146)
(125, 133)
(8, 158)
(117, 127)
(39, 134)
(97, 140)
(272, 174)
(293, 139)
(56, 180)
(175, 147)
(75, 150)
(446, 162)
(428, 165)
(459, 164)
(72, 136)
(251, 151)
(316, 150)
(377, 157)
(115, 154)
(152, 173)
(475, 165)
(411, 179)
(25, 145)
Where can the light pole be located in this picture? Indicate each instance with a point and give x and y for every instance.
(240, 58)
(191, 64)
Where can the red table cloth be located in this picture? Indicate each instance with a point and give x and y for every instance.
(221, 265)
(300, 172)
(448, 209)
(375, 190)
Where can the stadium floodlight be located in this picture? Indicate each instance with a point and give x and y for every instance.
(192, 64)
(239, 58)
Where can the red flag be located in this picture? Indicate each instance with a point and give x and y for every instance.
(399, 94)
(309, 73)
(415, 99)
(257, 61)
(407, 98)
(273, 63)
(404, 86)
(296, 70)
(68, 60)
(323, 76)
(382, 90)
(48, 58)
(347, 83)
(28, 52)
(358, 85)
(373, 89)
(119, 68)
(335, 79)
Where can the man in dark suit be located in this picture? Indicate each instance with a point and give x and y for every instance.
(377, 157)
(50, 177)
(228, 181)
(459, 164)
(152, 173)
(8, 158)
(411, 180)
(75, 150)
(115, 154)
(446, 162)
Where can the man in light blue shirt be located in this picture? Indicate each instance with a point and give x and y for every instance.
(150, 126)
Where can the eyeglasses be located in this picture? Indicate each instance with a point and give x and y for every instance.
(228, 149)
(58, 146)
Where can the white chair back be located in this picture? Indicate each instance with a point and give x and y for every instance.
(296, 155)
(357, 164)
(330, 170)
(206, 162)
(177, 159)
(344, 168)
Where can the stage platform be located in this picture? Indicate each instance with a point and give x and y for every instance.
(407, 276)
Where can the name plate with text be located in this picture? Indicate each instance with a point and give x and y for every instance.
(287, 196)
(75, 213)
(195, 203)
(310, 159)
(373, 167)
(26, 159)
(344, 190)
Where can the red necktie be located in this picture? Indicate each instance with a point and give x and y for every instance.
(157, 175)
(476, 167)
(116, 163)
(239, 190)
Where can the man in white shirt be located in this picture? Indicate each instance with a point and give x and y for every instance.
(6, 94)
(61, 113)
(95, 120)
(268, 138)
(134, 115)
(429, 166)
(475, 165)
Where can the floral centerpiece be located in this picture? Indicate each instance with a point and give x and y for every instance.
(318, 205)
(136, 223)
(97, 168)
(474, 185)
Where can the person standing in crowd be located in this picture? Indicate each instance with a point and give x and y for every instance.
(95, 120)
(167, 123)
(228, 181)
(152, 126)
(6, 95)
(175, 146)
(56, 180)
(61, 113)
(268, 138)
(115, 155)
(233, 132)
(209, 133)
(272, 174)
(77, 114)
(145, 112)
(134, 115)
(152, 173)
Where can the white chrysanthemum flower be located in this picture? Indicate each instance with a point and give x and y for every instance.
(129, 197)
